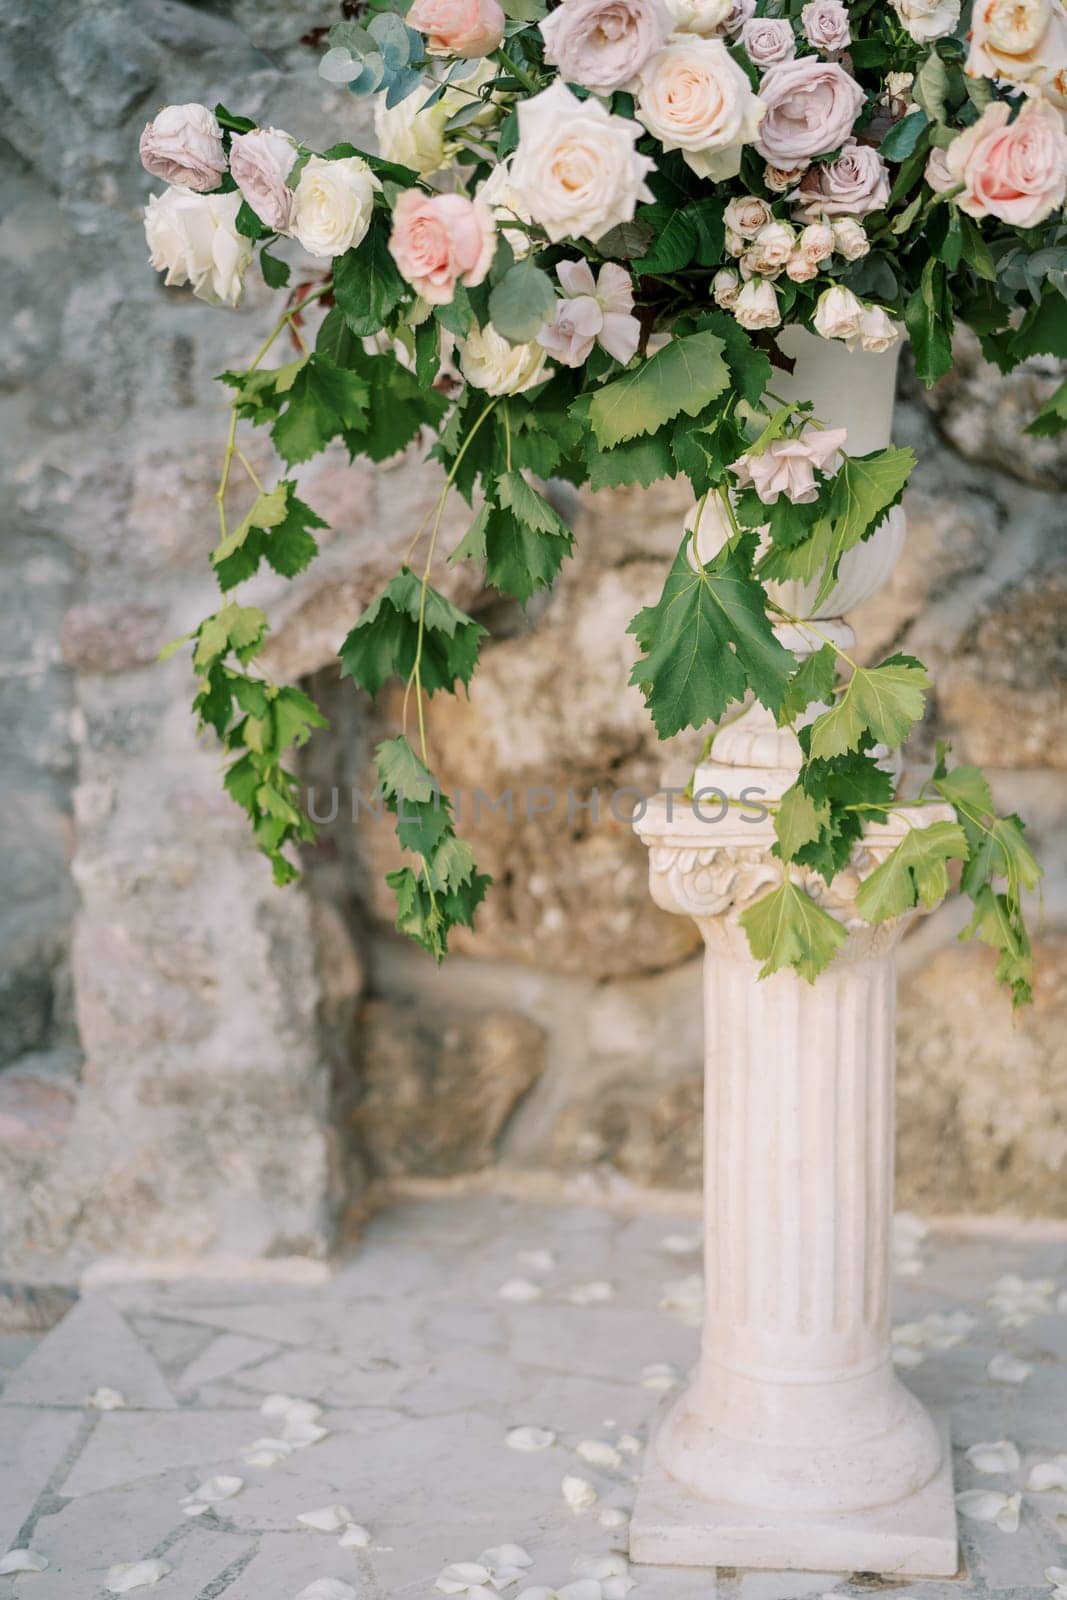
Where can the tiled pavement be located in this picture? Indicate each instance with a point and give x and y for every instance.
(421, 1367)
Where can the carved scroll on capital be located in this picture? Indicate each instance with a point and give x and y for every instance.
(711, 881)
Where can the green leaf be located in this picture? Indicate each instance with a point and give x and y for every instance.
(275, 273)
(402, 775)
(366, 282)
(915, 874)
(929, 318)
(384, 642)
(686, 375)
(522, 541)
(798, 821)
(886, 701)
(237, 628)
(674, 241)
(787, 929)
(707, 641)
(864, 490)
(931, 86)
(996, 845)
(322, 402)
(643, 460)
(626, 241)
(1052, 418)
(902, 138)
(813, 681)
(523, 301)
(998, 922)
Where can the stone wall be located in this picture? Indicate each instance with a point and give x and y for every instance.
(192, 1062)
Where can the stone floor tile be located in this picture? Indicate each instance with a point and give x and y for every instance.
(597, 1340)
(200, 1556)
(84, 1537)
(227, 1354)
(333, 1378)
(128, 1445)
(92, 1347)
(33, 1443)
(285, 1563)
(174, 1344)
(14, 1348)
(485, 1382)
(578, 1407)
(367, 1332)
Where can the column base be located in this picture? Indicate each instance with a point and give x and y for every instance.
(914, 1538)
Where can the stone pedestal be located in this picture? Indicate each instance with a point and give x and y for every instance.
(795, 1444)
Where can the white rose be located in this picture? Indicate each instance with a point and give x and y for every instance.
(838, 315)
(695, 98)
(746, 214)
(506, 204)
(192, 238)
(725, 287)
(850, 240)
(771, 248)
(816, 242)
(183, 146)
(800, 270)
(577, 168)
(1023, 41)
(703, 17)
(332, 205)
(489, 362)
(878, 332)
(411, 137)
(757, 305)
(928, 19)
(260, 162)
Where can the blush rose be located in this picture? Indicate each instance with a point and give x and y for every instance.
(440, 240)
(811, 106)
(465, 28)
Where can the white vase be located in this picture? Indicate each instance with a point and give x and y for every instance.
(795, 1444)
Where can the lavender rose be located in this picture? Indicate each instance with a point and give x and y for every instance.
(768, 40)
(854, 185)
(260, 162)
(184, 146)
(739, 13)
(602, 44)
(811, 106)
(826, 26)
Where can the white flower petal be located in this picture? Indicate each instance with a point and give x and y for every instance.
(214, 1490)
(578, 1492)
(22, 1561)
(629, 1445)
(601, 1567)
(104, 1399)
(591, 1294)
(905, 1356)
(299, 1434)
(460, 1576)
(617, 1588)
(599, 1452)
(685, 1298)
(267, 1452)
(1056, 1575)
(583, 1589)
(284, 1405)
(998, 1455)
(537, 1260)
(660, 1375)
(505, 1555)
(127, 1575)
(1008, 1369)
(327, 1589)
(989, 1505)
(613, 1517)
(520, 1291)
(355, 1537)
(326, 1519)
(1045, 1475)
(527, 1438)
(194, 1508)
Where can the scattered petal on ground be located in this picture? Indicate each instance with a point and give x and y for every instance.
(998, 1455)
(1046, 1475)
(527, 1438)
(599, 1452)
(326, 1519)
(660, 1375)
(1017, 1301)
(684, 1298)
(104, 1399)
(267, 1452)
(1008, 1369)
(583, 1589)
(578, 1492)
(327, 1589)
(988, 1505)
(629, 1445)
(127, 1575)
(601, 1567)
(537, 1260)
(681, 1244)
(22, 1561)
(470, 1578)
(520, 1291)
(355, 1537)
(613, 1517)
(590, 1294)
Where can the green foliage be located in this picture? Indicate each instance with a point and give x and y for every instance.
(366, 283)
(276, 529)
(915, 874)
(1052, 418)
(523, 301)
(787, 929)
(686, 375)
(885, 701)
(405, 623)
(519, 538)
(707, 641)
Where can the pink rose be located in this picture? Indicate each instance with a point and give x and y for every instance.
(441, 240)
(459, 27)
(853, 185)
(602, 44)
(787, 466)
(811, 106)
(260, 162)
(1014, 171)
(826, 26)
(768, 40)
(184, 146)
(593, 311)
(739, 13)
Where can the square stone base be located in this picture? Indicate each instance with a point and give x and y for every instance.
(916, 1538)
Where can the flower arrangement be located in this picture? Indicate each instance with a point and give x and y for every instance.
(569, 260)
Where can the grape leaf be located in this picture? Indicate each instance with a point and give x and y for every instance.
(798, 821)
(686, 375)
(888, 700)
(522, 540)
(322, 401)
(276, 528)
(366, 283)
(812, 681)
(915, 874)
(787, 929)
(384, 642)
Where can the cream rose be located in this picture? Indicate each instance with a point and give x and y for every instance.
(413, 137)
(769, 251)
(500, 195)
(260, 162)
(854, 185)
(800, 269)
(1023, 41)
(183, 146)
(193, 238)
(816, 242)
(878, 331)
(489, 362)
(768, 41)
(838, 314)
(694, 97)
(745, 215)
(780, 180)
(603, 44)
(332, 205)
(811, 106)
(440, 240)
(927, 20)
(1014, 171)
(466, 28)
(703, 17)
(725, 288)
(577, 169)
(850, 240)
(757, 305)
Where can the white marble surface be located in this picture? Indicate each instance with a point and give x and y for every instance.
(421, 1369)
